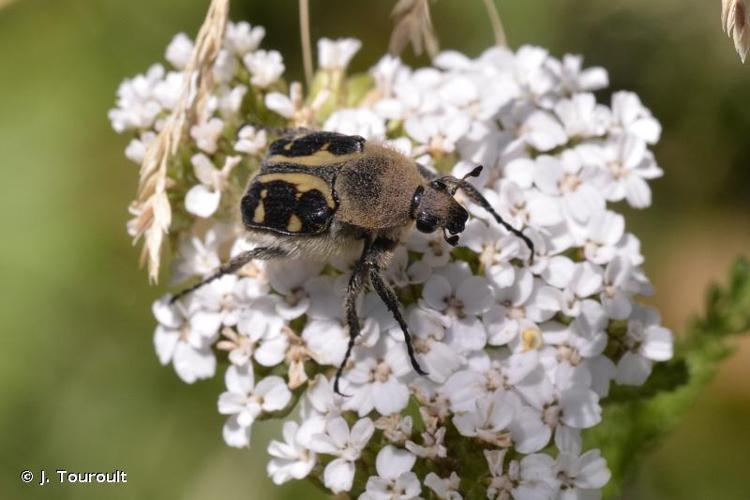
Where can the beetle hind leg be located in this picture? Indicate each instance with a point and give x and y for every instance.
(234, 265)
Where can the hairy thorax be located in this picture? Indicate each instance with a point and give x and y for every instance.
(375, 190)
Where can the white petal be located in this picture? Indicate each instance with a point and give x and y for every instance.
(529, 433)
(390, 396)
(440, 362)
(165, 342)
(280, 103)
(580, 408)
(392, 462)
(593, 472)
(468, 334)
(275, 393)
(239, 379)
(338, 475)
(475, 294)
(637, 192)
(633, 369)
(271, 352)
(436, 290)
(235, 434)
(361, 433)
(192, 364)
(202, 201)
(658, 343)
(543, 132)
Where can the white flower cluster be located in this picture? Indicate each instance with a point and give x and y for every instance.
(519, 352)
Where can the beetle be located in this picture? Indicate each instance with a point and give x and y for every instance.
(319, 194)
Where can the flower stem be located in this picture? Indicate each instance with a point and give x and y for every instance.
(497, 25)
(304, 28)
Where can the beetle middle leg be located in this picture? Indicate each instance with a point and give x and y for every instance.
(375, 256)
(234, 265)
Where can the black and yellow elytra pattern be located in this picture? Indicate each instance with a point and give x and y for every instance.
(314, 149)
(293, 192)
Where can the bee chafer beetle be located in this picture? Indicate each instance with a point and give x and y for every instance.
(319, 194)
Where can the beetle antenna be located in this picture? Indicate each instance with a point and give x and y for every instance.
(454, 184)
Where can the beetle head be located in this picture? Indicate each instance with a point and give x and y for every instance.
(433, 207)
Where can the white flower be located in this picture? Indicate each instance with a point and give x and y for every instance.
(207, 134)
(376, 379)
(530, 479)
(629, 116)
(518, 307)
(394, 481)
(137, 103)
(361, 122)
(584, 280)
(435, 355)
(582, 117)
(337, 440)
(290, 459)
(579, 476)
(244, 402)
(489, 419)
(542, 132)
(288, 278)
(241, 38)
(203, 199)
(530, 72)
(198, 256)
(647, 341)
(574, 79)
(137, 147)
(620, 283)
(336, 54)
(224, 298)
(401, 272)
(444, 489)
(185, 341)
(601, 236)
(567, 181)
(250, 140)
(325, 333)
(265, 66)
(179, 51)
(437, 132)
(630, 164)
(436, 252)
(433, 444)
(224, 69)
(460, 296)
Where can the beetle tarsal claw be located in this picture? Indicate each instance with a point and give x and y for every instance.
(452, 240)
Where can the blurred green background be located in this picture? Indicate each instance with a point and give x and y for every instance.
(80, 386)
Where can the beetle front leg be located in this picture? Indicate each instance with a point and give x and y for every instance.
(382, 250)
(390, 300)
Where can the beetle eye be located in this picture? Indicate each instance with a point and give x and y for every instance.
(426, 223)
